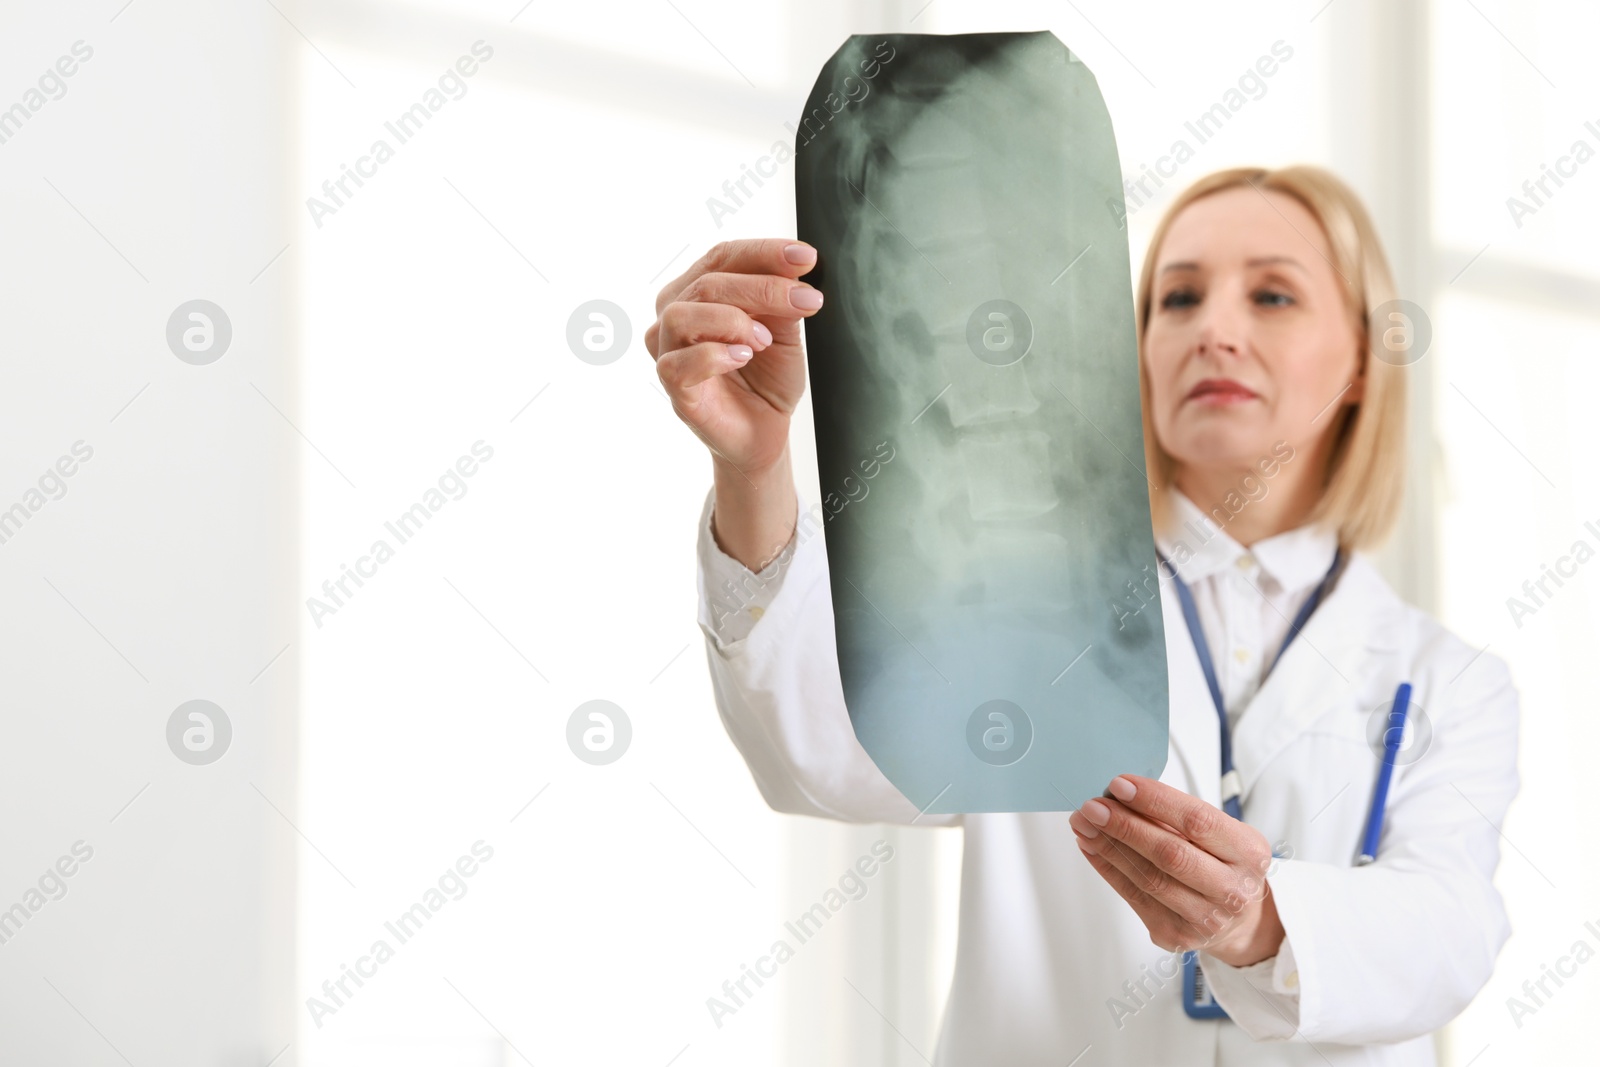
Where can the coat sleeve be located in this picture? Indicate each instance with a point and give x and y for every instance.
(1263, 997)
(1399, 947)
(775, 675)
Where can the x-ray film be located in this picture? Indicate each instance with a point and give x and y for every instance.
(975, 390)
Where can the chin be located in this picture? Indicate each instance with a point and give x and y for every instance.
(1220, 448)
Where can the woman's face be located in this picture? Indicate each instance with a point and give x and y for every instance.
(1248, 342)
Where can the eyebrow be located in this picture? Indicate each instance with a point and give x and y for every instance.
(1257, 262)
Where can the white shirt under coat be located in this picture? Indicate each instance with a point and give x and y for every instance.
(1375, 958)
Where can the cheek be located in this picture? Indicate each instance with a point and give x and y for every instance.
(1312, 380)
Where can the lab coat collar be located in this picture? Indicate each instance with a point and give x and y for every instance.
(1199, 547)
(1346, 656)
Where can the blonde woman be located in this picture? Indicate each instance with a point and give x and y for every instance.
(1275, 446)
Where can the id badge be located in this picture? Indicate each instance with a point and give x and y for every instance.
(1197, 1000)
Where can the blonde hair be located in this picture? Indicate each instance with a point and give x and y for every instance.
(1364, 481)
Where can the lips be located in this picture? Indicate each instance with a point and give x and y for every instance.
(1220, 391)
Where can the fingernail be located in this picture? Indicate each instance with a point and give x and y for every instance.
(1085, 846)
(1087, 831)
(798, 254)
(740, 353)
(763, 335)
(805, 298)
(1122, 789)
(1096, 812)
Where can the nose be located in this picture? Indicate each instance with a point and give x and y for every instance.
(1216, 343)
(1219, 330)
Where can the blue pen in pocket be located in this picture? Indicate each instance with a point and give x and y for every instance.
(1393, 735)
(1198, 1002)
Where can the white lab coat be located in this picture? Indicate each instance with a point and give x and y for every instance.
(1380, 955)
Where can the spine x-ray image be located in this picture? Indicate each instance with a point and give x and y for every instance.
(975, 386)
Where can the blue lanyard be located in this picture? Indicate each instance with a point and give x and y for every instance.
(1231, 786)
(1198, 1003)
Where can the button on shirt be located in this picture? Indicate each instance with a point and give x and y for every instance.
(1246, 597)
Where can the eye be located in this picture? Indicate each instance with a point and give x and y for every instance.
(1179, 298)
(1273, 298)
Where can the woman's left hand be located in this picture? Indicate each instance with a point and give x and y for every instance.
(1192, 872)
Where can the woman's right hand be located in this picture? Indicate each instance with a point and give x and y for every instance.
(726, 342)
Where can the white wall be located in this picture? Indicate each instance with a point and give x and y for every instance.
(429, 313)
(159, 577)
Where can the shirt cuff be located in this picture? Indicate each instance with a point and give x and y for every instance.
(732, 596)
(1262, 997)
(1285, 975)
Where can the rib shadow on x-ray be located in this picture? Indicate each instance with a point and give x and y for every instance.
(979, 323)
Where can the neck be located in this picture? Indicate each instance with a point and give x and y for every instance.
(1290, 496)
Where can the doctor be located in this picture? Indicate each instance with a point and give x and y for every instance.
(1275, 446)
